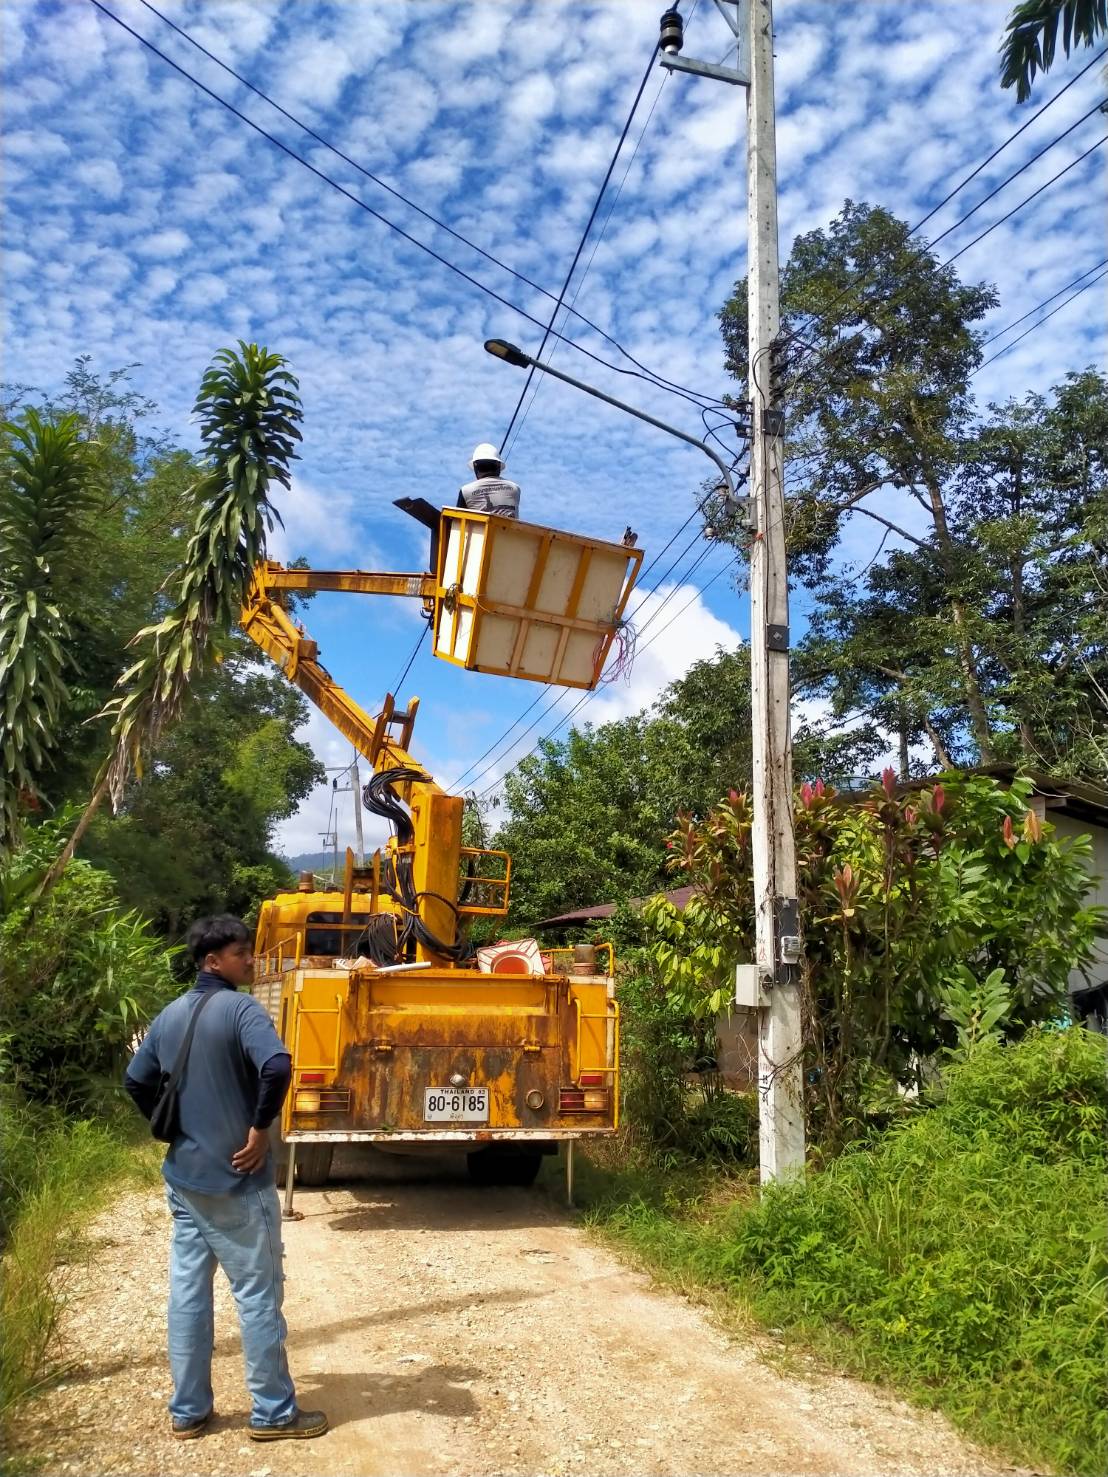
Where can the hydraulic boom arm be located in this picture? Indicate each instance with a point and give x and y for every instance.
(436, 816)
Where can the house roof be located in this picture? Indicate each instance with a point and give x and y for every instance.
(678, 896)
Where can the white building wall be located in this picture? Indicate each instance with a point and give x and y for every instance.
(1065, 825)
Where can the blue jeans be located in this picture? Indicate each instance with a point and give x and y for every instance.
(242, 1232)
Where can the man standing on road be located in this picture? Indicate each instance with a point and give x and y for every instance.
(220, 1184)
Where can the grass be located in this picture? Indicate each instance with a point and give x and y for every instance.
(56, 1173)
(960, 1257)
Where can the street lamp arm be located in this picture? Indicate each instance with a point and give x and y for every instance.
(513, 355)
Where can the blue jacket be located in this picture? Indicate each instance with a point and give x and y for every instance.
(223, 1091)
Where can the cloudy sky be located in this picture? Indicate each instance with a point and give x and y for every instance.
(148, 224)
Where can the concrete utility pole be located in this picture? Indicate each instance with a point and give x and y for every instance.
(771, 984)
(356, 785)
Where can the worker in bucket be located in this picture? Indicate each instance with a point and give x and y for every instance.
(489, 492)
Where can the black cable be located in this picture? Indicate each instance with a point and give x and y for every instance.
(646, 624)
(421, 638)
(585, 697)
(648, 374)
(1092, 283)
(581, 244)
(1014, 175)
(1027, 201)
(856, 287)
(825, 355)
(1000, 332)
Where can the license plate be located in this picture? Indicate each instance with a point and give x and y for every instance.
(456, 1105)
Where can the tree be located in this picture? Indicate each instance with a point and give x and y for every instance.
(1031, 37)
(915, 908)
(928, 640)
(1024, 504)
(249, 413)
(46, 498)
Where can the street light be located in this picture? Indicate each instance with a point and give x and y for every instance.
(511, 354)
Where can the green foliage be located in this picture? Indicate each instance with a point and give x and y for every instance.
(78, 978)
(590, 813)
(959, 1256)
(929, 918)
(983, 631)
(964, 1255)
(977, 1009)
(1031, 37)
(249, 413)
(47, 494)
(53, 1174)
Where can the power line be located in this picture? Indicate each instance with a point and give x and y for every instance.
(1000, 332)
(855, 288)
(1014, 175)
(1009, 140)
(1042, 320)
(558, 697)
(587, 696)
(581, 244)
(825, 355)
(399, 683)
(407, 200)
(1027, 200)
(657, 382)
(571, 306)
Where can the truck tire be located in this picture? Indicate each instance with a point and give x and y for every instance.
(497, 1166)
(313, 1164)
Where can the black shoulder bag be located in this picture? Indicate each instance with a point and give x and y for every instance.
(165, 1120)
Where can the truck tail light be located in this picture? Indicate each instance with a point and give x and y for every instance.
(583, 1100)
(590, 1079)
(307, 1102)
(306, 1077)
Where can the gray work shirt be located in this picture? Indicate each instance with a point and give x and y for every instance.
(492, 495)
(219, 1089)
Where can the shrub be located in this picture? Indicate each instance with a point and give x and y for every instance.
(78, 978)
(963, 1254)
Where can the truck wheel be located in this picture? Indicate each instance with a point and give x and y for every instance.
(313, 1164)
(504, 1166)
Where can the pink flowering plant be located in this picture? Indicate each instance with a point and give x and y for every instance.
(932, 916)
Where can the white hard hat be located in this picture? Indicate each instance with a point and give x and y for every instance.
(486, 452)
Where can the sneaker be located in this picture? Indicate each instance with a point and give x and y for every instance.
(305, 1423)
(188, 1430)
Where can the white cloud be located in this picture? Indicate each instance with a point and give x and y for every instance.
(102, 176)
(171, 242)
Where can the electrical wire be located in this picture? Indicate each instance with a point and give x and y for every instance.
(587, 696)
(550, 707)
(855, 287)
(420, 639)
(1020, 336)
(825, 355)
(1000, 332)
(582, 243)
(640, 372)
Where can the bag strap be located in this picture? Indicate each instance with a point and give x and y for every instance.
(186, 1044)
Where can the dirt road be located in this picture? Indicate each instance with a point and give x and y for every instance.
(447, 1329)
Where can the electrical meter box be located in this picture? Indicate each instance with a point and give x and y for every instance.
(519, 600)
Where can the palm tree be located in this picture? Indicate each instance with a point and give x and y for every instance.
(249, 412)
(46, 496)
(1031, 36)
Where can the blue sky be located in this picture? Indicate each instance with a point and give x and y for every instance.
(147, 224)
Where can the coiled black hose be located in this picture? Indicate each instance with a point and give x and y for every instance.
(396, 878)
